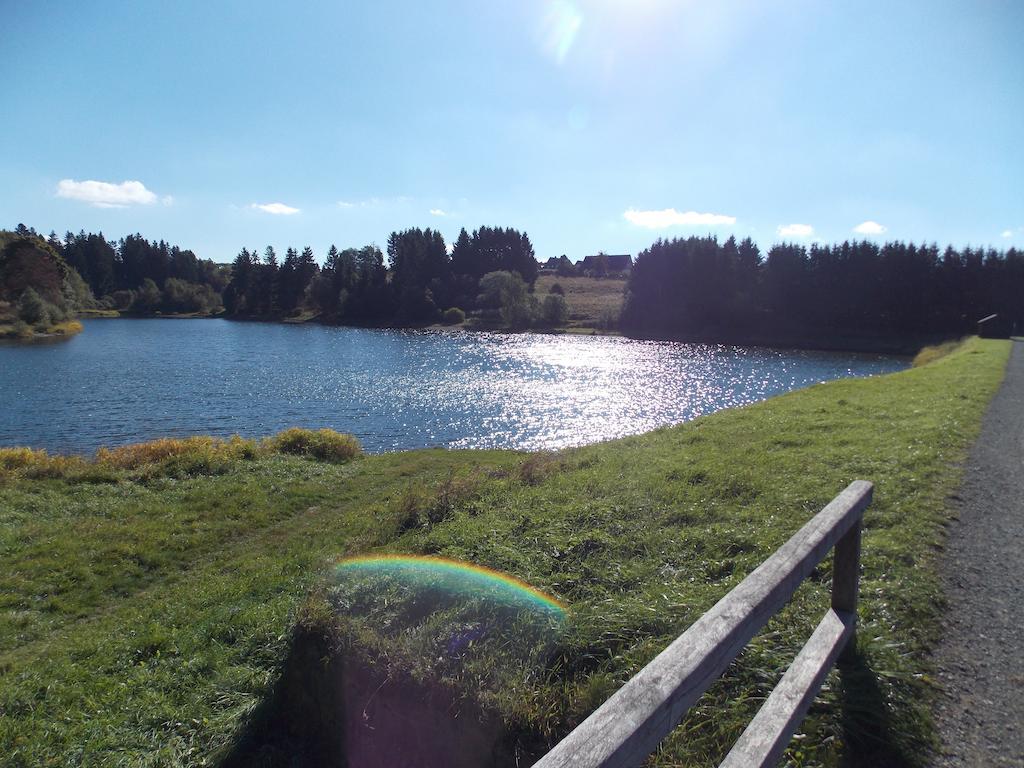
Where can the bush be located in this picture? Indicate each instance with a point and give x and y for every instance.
(539, 467)
(520, 315)
(421, 506)
(19, 458)
(65, 328)
(558, 289)
(22, 330)
(182, 296)
(147, 298)
(608, 320)
(320, 444)
(177, 457)
(508, 292)
(120, 300)
(77, 293)
(554, 311)
(454, 316)
(32, 309)
(497, 288)
(931, 354)
(39, 465)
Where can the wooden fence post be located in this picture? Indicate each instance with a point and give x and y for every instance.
(846, 582)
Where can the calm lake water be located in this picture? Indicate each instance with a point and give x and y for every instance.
(125, 381)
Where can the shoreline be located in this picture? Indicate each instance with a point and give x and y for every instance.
(906, 347)
(59, 332)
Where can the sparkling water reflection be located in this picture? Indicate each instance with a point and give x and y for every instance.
(130, 380)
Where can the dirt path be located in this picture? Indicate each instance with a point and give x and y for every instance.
(981, 657)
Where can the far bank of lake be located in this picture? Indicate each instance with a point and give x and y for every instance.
(126, 381)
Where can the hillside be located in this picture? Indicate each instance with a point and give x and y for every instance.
(152, 598)
(594, 303)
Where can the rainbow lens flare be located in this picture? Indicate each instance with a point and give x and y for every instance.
(456, 577)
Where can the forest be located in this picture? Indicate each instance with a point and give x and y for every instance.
(490, 271)
(699, 288)
(137, 276)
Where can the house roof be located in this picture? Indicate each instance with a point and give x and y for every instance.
(618, 262)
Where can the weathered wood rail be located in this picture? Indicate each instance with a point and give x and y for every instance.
(628, 727)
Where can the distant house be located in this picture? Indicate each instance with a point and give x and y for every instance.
(551, 264)
(618, 264)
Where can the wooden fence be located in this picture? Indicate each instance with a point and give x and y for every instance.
(629, 726)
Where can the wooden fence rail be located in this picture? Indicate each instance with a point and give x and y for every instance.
(629, 726)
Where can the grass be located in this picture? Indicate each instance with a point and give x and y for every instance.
(147, 603)
(322, 444)
(594, 303)
(22, 332)
(932, 353)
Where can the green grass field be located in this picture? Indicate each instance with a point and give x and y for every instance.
(147, 600)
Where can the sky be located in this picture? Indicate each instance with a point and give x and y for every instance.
(593, 125)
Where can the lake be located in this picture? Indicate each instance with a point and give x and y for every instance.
(123, 381)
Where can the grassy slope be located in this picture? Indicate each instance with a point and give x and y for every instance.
(142, 620)
(591, 300)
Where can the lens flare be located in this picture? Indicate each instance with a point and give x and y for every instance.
(559, 27)
(457, 577)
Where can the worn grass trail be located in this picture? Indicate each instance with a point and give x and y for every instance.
(144, 617)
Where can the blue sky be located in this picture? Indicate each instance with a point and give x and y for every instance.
(590, 124)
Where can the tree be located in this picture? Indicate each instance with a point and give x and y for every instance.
(508, 293)
(462, 254)
(149, 296)
(417, 256)
(32, 309)
(237, 296)
(288, 288)
(492, 249)
(554, 311)
(420, 266)
(269, 287)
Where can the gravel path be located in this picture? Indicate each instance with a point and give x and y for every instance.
(981, 657)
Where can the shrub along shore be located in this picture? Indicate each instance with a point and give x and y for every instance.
(150, 596)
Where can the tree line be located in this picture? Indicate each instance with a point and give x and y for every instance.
(489, 270)
(136, 275)
(697, 287)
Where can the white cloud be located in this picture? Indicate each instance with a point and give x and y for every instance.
(278, 209)
(1007, 233)
(670, 217)
(103, 194)
(870, 228)
(371, 202)
(437, 212)
(795, 230)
